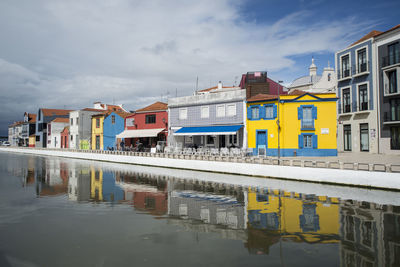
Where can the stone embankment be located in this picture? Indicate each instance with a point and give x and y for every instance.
(368, 175)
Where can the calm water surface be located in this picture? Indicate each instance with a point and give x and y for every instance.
(64, 212)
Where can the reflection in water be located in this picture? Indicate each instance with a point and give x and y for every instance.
(367, 234)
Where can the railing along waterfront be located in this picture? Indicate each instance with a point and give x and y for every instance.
(267, 160)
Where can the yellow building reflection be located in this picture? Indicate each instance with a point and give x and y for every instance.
(298, 217)
(96, 184)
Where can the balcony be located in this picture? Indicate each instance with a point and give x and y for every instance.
(346, 108)
(361, 69)
(389, 118)
(391, 60)
(344, 74)
(363, 106)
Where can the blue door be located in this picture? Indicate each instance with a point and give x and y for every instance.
(261, 142)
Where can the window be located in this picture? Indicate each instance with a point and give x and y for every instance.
(255, 113)
(205, 112)
(97, 122)
(307, 121)
(392, 77)
(209, 140)
(183, 113)
(329, 77)
(364, 140)
(394, 110)
(346, 100)
(395, 137)
(345, 66)
(72, 121)
(307, 141)
(221, 111)
(233, 139)
(347, 137)
(151, 119)
(269, 112)
(393, 53)
(362, 60)
(231, 110)
(77, 121)
(37, 138)
(363, 97)
(72, 137)
(113, 119)
(48, 129)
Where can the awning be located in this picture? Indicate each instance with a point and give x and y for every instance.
(140, 133)
(209, 130)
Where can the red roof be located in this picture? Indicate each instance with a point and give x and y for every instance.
(31, 118)
(55, 112)
(261, 97)
(63, 120)
(154, 107)
(394, 28)
(367, 36)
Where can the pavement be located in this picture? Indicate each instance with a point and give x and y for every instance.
(356, 157)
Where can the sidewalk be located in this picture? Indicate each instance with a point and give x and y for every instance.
(356, 157)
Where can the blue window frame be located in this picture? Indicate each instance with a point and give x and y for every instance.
(255, 112)
(308, 141)
(307, 114)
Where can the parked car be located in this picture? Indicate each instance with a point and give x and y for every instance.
(5, 143)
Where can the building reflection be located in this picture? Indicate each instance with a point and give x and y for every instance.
(365, 234)
(370, 234)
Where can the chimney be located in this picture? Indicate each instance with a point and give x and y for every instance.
(219, 85)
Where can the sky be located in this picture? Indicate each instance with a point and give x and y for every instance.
(70, 54)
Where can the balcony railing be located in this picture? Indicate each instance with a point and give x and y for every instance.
(389, 117)
(391, 60)
(342, 74)
(363, 106)
(346, 108)
(361, 68)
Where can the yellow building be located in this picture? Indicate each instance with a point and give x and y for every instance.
(97, 131)
(301, 218)
(96, 184)
(307, 124)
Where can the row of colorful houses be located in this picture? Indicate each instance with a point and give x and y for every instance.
(355, 109)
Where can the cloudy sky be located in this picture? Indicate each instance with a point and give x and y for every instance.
(69, 54)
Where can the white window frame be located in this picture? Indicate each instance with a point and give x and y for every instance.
(386, 81)
(341, 65)
(204, 115)
(366, 58)
(351, 99)
(220, 115)
(358, 96)
(234, 110)
(183, 113)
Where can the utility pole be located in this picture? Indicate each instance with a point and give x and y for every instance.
(278, 122)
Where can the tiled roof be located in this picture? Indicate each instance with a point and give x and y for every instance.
(261, 97)
(297, 92)
(55, 112)
(367, 36)
(63, 120)
(31, 118)
(93, 109)
(122, 114)
(394, 28)
(154, 107)
(16, 123)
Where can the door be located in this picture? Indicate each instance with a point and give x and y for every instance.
(97, 142)
(261, 142)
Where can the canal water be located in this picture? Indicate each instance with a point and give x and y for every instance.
(66, 212)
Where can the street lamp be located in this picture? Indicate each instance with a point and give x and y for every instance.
(279, 123)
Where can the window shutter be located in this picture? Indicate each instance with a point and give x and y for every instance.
(275, 111)
(301, 141)
(315, 141)
(300, 113)
(262, 112)
(314, 113)
(249, 112)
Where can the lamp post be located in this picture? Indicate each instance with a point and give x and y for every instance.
(279, 123)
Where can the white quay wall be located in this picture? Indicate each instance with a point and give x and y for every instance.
(383, 180)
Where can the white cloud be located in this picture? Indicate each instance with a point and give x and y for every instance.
(73, 53)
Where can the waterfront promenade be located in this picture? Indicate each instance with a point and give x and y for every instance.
(355, 173)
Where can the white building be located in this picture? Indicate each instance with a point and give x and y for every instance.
(15, 133)
(314, 83)
(54, 129)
